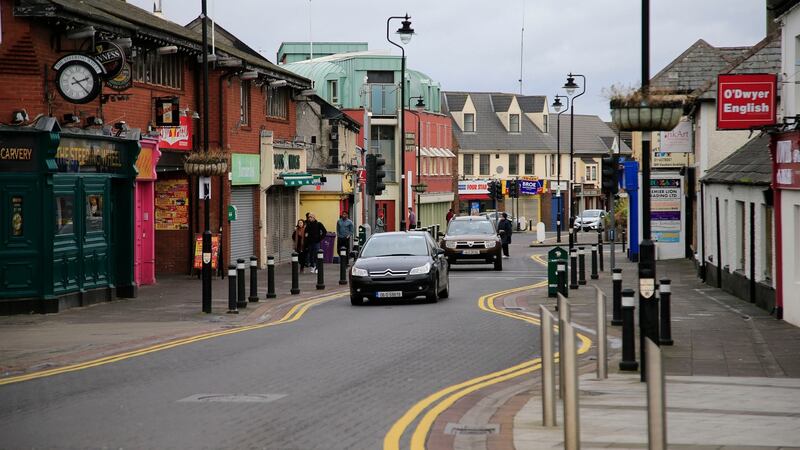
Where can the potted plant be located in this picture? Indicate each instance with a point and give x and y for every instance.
(206, 164)
(651, 110)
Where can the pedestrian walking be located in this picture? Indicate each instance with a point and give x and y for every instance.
(315, 232)
(380, 223)
(298, 238)
(449, 216)
(412, 219)
(505, 229)
(344, 232)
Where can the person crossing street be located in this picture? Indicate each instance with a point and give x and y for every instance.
(505, 229)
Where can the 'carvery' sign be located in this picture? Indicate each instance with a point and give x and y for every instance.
(745, 101)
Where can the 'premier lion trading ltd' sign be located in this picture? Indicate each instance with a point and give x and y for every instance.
(746, 101)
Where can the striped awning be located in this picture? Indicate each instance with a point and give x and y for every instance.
(297, 179)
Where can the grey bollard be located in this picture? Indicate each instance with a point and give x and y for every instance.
(271, 277)
(563, 318)
(342, 266)
(572, 429)
(253, 280)
(241, 301)
(602, 338)
(548, 368)
(320, 270)
(616, 283)
(628, 362)
(581, 266)
(665, 292)
(656, 398)
(232, 290)
(295, 275)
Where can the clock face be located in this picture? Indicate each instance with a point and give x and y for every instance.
(77, 82)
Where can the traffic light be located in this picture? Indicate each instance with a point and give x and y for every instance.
(375, 175)
(495, 190)
(513, 189)
(609, 174)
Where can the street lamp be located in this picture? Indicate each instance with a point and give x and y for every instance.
(559, 109)
(570, 86)
(420, 108)
(405, 32)
(207, 254)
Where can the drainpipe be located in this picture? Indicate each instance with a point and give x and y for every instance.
(778, 254)
(222, 178)
(702, 232)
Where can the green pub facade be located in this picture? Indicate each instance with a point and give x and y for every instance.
(66, 217)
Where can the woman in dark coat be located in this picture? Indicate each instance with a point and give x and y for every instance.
(505, 229)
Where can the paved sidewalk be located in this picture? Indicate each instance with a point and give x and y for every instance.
(733, 374)
(166, 311)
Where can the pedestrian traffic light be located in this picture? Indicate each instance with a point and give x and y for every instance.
(609, 174)
(513, 189)
(375, 175)
(495, 190)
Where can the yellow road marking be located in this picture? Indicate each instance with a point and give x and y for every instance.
(294, 314)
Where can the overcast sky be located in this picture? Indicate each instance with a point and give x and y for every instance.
(474, 45)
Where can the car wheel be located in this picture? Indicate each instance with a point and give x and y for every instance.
(446, 291)
(356, 301)
(433, 297)
(498, 263)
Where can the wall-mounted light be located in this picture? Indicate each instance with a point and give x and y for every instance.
(81, 33)
(19, 116)
(278, 83)
(230, 62)
(167, 50)
(211, 58)
(249, 75)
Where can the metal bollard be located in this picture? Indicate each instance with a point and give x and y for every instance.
(241, 302)
(573, 268)
(616, 283)
(581, 266)
(343, 265)
(600, 249)
(295, 275)
(628, 361)
(271, 277)
(648, 327)
(563, 318)
(548, 368)
(561, 272)
(320, 270)
(232, 290)
(594, 274)
(602, 338)
(253, 280)
(665, 292)
(572, 429)
(656, 398)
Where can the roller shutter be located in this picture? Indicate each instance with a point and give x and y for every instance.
(281, 219)
(242, 228)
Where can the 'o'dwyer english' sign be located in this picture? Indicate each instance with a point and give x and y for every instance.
(746, 101)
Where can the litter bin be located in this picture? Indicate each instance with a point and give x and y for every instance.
(327, 246)
(554, 256)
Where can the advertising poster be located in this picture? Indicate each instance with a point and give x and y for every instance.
(198, 251)
(665, 209)
(177, 137)
(172, 205)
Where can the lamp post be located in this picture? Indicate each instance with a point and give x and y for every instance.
(206, 271)
(559, 109)
(420, 107)
(570, 86)
(405, 32)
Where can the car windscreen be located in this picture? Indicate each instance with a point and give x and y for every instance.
(591, 213)
(395, 245)
(467, 227)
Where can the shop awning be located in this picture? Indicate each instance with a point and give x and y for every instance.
(448, 153)
(297, 179)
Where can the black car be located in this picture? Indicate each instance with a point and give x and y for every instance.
(399, 265)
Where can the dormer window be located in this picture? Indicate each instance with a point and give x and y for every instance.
(513, 123)
(469, 122)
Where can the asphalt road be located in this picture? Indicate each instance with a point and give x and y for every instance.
(338, 378)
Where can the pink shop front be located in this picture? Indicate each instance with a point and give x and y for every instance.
(144, 264)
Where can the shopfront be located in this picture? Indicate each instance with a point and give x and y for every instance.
(245, 177)
(433, 207)
(144, 262)
(473, 197)
(61, 245)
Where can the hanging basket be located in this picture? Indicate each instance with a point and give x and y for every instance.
(419, 188)
(663, 116)
(205, 169)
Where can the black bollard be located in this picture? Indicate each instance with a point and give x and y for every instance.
(581, 266)
(573, 268)
(253, 280)
(342, 266)
(600, 248)
(232, 290)
(594, 274)
(665, 291)
(561, 271)
(320, 270)
(241, 302)
(271, 277)
(295, 275)
(616, 283)
(628, 361)
(624, 241)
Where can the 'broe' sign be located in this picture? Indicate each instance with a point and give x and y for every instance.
(745, 101)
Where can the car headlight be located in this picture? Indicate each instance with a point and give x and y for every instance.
(421, 270)
(490, 244)
(450, 244)
(358, 272)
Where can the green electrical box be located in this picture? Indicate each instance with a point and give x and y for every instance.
(233, 211)
(554, 257)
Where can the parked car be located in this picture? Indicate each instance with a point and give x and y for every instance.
(399, 265)
(473, 238)
(591, 219)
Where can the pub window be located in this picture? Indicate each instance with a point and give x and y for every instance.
(278, 103)
(244, 103)
(94, 212)
(64, 214)
(162, 70)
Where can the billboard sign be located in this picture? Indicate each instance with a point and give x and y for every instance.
(745, 101)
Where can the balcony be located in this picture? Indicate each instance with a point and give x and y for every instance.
(383, 99)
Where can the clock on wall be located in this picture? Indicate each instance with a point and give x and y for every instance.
(78, 78)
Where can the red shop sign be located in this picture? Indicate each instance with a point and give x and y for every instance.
(746, 101)
(177, 138)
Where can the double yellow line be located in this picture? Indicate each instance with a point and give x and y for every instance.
(448, 396)
(294, 314)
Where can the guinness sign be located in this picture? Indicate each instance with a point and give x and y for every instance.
(111, 57)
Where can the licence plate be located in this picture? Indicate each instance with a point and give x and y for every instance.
(389, 294)
(472, 252)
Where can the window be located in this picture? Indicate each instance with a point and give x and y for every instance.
(380, 77)
(484, 167)
(162, 70)
(545, 123)
(766, 242)
(278, 103)
(333, 91)
(513, 123)
(469, 123)
(17, 216)
(64, 212)
(552, 164)
(513, 164)
(529, 164)
(591, 172)
(382, 141)
(244, 103)
(94, 212)
(468, 159)
(574, 171)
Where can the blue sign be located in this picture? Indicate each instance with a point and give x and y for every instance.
(530, 187)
